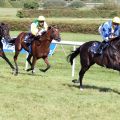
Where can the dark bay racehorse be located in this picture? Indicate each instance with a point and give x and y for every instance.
(4, 33)
(109, 59)
(39, 47)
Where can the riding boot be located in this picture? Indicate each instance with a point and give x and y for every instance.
(28, 38)
(100, 49)
(30, 49)
(102, 46)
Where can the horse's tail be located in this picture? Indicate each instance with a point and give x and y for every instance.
(72, 55)
(12, 41)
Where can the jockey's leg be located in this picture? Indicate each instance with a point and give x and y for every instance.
(25, 47)
(102, 46)
(27, 38)
(28, 48)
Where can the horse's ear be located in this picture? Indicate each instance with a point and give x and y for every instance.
(49, 27)
(2, 23)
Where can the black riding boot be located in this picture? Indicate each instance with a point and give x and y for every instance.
(102, 46)
(28, 38)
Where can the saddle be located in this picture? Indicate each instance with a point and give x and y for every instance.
(98, 47)
(29, 38)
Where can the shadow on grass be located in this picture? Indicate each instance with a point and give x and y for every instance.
(101, 89)
(27, 73)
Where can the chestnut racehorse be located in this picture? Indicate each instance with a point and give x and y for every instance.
(39, 47)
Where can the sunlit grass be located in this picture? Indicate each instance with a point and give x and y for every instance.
(52, 95)
(8, 12)
(70, 36)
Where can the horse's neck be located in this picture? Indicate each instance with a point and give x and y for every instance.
(116, 42)
(0, 32)
(46, 37)
(0, 38)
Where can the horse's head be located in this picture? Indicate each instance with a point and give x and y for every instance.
(4, 31)
(54, 33)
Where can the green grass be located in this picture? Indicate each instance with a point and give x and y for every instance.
(8, 12)
(52, 95)
(70, 36)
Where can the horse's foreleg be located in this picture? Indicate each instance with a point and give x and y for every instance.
(7, 60)
(47, 63)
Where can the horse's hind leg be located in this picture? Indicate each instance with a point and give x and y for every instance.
(33, 64)
(81, 74)
(29, 59)
(47, 63)
(15, 61)
(7, 60)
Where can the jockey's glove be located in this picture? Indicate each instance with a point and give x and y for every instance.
(106, 39)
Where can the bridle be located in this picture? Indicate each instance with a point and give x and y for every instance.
(53, 31)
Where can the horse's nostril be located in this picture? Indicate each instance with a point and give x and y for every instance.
(59, 39)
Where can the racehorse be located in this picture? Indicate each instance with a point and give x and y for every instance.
(4, 33)
(110, 58)
(39, 47)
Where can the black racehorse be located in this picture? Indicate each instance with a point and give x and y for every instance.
(110, 58)
(4, 34)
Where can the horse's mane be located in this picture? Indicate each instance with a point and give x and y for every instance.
(115, 41)
(2, 24)
(1, 27)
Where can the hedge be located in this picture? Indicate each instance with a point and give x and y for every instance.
(71, 26)
(75, 13)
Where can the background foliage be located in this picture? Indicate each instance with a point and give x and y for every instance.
(65, 25)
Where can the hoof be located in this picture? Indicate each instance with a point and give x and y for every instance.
(28, 69)
(81, 89)
(42, 70)
(15, 73)
(75, 81)
(33, 71)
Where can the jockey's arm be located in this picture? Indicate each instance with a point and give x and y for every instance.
(45, 26)
(106, 34)
(34, 29)
(43, 29)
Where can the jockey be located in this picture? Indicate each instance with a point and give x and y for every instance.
(108, 31)
(38, 27)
